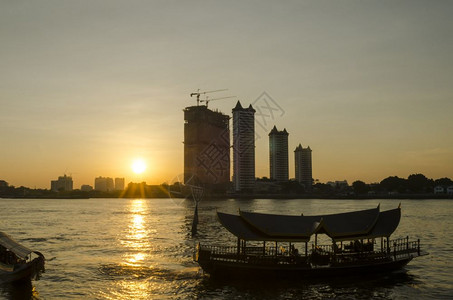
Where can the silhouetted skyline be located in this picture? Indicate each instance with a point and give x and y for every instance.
(87, 87)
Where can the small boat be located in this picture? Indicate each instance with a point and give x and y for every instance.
(270, 245)
(18, 262)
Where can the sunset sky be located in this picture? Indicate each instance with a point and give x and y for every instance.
(86, 87)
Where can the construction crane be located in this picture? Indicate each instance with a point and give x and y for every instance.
(207, 99)
(198, 93)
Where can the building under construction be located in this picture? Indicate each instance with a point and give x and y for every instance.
(206, 148)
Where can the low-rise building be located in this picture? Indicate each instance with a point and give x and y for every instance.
(62, 184)
(103, 184)
(119, 184)
(340, 184)
(86, 188)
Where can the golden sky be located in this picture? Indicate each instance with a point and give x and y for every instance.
(88, 86)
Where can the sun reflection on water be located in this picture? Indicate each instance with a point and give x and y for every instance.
(136, 240)
(142, 271)
(132, 269)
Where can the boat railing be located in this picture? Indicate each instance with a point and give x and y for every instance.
(228, 250)
(266, 255)
(324, 254)
(322, 248)
(403, 247)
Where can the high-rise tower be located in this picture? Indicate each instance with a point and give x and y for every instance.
(206, 148)
(243, 148)
(303, 167)
(278, 155)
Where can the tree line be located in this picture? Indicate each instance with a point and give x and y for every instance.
(413, 184)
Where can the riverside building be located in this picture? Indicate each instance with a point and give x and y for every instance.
(243, 148)
(278, 155)
(303, 166)
(206, 148)
(103, 184)
(63, 183)
(119, 184)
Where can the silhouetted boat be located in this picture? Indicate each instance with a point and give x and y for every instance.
(360, 245)
(16, 261)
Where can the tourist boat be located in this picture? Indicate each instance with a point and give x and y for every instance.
(18, 262)
(270, 245)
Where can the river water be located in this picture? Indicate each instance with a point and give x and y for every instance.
(142, 249)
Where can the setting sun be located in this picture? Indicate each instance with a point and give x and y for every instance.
(138, 166)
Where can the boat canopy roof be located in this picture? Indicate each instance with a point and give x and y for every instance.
(370, 223)
(13, 246)
(243, 230)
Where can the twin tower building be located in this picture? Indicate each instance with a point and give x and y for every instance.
(207, 151)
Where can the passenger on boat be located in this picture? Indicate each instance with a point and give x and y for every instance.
(357, 246)
(282, 250)
(369, 246)
(335, 248)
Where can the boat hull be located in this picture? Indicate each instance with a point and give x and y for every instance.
(24, 271)
(227, 269)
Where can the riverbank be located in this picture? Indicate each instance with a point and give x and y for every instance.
(104, 195)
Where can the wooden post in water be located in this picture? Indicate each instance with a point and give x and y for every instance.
(197, 195)
(195, 220)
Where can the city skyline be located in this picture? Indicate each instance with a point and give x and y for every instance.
(86, 88)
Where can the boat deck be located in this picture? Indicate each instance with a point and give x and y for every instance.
(320, 256)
